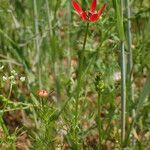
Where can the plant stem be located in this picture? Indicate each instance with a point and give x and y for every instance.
(37, 41)
(130, 58)
(68, 37)
(99, 120)
(36, 31)
(123, 84)
(10, 90)
(49, 19)
(123, 93)
(129, 38)
(79, 82)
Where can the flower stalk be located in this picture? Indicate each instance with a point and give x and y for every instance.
(79, 82)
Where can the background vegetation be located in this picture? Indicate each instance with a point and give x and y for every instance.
(40, 41)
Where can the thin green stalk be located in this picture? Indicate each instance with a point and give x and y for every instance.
(123, 93)
(5, 130)
(36, 26)
(129, 38)
(81, 58)
(123, 82)
(49, 19)
(10, 90)
(99, 120)
(79, 82)
(68, 38)
(130, 58)
(37, 41)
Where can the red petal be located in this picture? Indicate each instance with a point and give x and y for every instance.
(101, 10)
(93, 6)
(77, 7)
(94, 17)
(84, 16)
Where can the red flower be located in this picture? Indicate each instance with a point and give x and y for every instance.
(91, 15)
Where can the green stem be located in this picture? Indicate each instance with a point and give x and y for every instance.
(36, 32)
(10, 90)
(49, 19)
(37, 42)
(68, 38)
(5, 130)
(130, 58)
(79, 82)
(99, 120)
(123, 93)
(123, 82)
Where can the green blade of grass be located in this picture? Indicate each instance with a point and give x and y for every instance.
(119, 19)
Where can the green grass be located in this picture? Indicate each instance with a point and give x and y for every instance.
(46, 42)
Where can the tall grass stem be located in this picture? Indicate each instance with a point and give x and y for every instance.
(37, 41)
(49, 19)
(123, 93)
(123, 82)
(36, 26)
(130, 57)
(68, 37)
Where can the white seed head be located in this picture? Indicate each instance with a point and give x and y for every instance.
(5, 78)
(11, 77)
(14, 72)
(22, 79)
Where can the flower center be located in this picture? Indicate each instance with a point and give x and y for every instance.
(88, 14)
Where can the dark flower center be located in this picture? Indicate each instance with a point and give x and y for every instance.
(88, 14)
